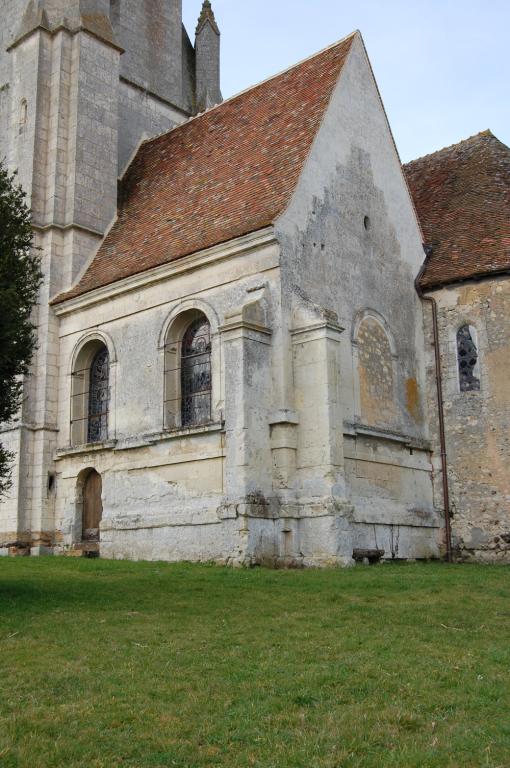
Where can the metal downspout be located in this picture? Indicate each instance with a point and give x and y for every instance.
(440, 407)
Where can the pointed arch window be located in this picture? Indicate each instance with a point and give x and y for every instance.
(467, 359)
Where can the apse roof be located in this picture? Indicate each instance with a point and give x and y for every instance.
(462, 197)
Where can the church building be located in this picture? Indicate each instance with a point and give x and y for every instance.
(236, 340)
(462, 196)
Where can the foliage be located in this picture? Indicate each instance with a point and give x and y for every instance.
(148, 665)
(20, 278)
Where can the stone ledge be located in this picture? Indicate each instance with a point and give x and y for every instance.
(78, 450)
(353, 429)
(171, 434)
(144, 441)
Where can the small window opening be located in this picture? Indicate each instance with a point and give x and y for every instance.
(467, 356)
(366, 222)
(23, 115)
(51, 482)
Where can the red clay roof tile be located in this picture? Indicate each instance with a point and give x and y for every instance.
(223, 174)
(462, 196)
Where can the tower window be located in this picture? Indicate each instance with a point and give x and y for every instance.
(467, 358)
(23, 115)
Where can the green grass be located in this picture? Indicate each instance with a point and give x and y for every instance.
(147, 665)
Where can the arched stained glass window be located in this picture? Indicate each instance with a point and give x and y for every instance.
(467, 357)
(99, 395)
(196, 374)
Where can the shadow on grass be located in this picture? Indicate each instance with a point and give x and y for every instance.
(39, 585)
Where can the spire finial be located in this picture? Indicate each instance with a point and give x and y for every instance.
(207, 15)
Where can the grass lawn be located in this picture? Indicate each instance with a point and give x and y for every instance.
(147, 665)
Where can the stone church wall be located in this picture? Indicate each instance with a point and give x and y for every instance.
(141, 115)
(477, 422)
(151, 35)
(68, 118)
(351, 246)
(165, 491)
(10, 15)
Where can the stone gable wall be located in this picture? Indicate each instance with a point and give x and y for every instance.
(351, 248)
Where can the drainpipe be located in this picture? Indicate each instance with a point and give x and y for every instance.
(440, 405)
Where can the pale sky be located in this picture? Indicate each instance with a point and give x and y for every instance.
(443, 66)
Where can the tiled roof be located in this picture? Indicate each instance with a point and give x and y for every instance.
(462, 196)
(223, 174)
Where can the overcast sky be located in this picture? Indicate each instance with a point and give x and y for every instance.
(443, 66)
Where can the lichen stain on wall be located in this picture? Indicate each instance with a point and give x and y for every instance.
(413, 403)
(375, 370)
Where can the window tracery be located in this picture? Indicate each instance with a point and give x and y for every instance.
(467, 358)
(188, 371)
(196, 374)
(97, 427)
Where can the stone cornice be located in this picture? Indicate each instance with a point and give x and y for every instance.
(353, 429)
(64, 28)
(65, 227)
(245, 325)
(320, 329)
(217, 253)
(153, 95)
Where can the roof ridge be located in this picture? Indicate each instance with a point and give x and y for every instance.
(251, 88)
(487, 133)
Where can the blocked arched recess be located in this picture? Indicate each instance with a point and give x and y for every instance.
(78, 371)
(375, 370)
(170, 339)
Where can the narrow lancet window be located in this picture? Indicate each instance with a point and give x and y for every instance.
(467, 357)
(23, 116)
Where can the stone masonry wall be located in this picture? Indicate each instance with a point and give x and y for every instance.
(150, 31)
(62, 108)
(168, 492)
(351, 248)
(477, 423)
(10, 15)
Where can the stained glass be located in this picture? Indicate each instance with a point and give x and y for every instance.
(467, 354)
(196, 374)
(99, 395)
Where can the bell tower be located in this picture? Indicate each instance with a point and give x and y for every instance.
(81, 83)
(61, 135)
